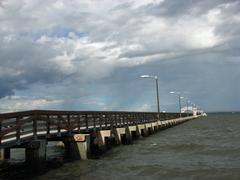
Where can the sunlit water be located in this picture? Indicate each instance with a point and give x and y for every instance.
(206, 148)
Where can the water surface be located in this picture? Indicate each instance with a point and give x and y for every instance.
(206, 148)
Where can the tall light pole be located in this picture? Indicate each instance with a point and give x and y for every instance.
(179, 101)
(156, 80)
(187, 101)
(194, 108)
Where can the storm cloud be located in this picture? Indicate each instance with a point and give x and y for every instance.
(89, 55)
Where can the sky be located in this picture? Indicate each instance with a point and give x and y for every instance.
(90, 54)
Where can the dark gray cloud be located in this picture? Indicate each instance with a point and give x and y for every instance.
(24, 63)
(176, 9)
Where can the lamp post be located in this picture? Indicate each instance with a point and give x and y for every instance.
(187, 101)
(179, 101)
(194, 109)
(156, 80)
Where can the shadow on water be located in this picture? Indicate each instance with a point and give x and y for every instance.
(17, 168)
(10, 170)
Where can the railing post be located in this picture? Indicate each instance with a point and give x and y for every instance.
(116, 119)
(0, 131)
(48, 125)
(86, 119)
(94, 122)
(131, 119)
(59, 125)
(35, 116)
(78, 122)
(134, 119)
(128, 117)
(69, 125)
(123, 119)
(100, 121)
(17, 130)
(137, 119)
(111, 121)
(106, 123)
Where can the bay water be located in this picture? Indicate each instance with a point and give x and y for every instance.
(205, 148)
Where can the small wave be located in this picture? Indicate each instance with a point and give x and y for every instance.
(230, 129)
(191, 146)
(153, 144)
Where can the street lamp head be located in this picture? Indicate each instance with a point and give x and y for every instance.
(149, 76)
(145, 76)
(172, 92)
(181, 97)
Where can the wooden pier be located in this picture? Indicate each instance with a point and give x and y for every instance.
(82, 132)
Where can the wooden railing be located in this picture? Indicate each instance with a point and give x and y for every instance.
(19, 127)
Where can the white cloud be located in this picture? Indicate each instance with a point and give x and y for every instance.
(144, 108)
(18, 103)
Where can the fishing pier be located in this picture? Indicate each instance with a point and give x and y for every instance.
(82, 132)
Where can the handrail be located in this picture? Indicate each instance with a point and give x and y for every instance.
(18, 126)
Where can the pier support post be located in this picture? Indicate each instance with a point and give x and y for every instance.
(133, 132)
(149, 128)
(122, 135)
(102, 136)
(118, 133)
(4, 154)
(155, 126)
(78, 147)
(36, 153)
(160, 125)
(142, 130)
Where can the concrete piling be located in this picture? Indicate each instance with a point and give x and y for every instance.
(78, 147)
(4, 154)
(118, 134)
(142, 130)
(123, 135)
(133, 131)
(155, 126)
(36, 153)
(102, 136)
(149, 128)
